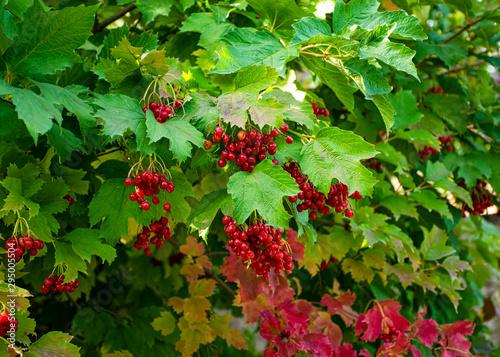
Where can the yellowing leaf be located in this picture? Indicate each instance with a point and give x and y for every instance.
(165, 323)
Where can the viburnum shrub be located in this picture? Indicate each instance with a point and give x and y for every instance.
(249, 178)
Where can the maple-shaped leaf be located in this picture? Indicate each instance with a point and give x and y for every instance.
(457, 328)
(262, 190)
(67, 256)
(21, 301)
(341, 305)
(253, 309)
(165, 323)
(398, 347)
(85, 243)
(454, 344)
(383, 315)
(317, 344)
(192, 336)
(434, 244)
(425, 330)
(335, 153)
(180, 133)
(233, 106)
(55, 343)
(202, 287)
(220, 326)
(359, 270)
(323, 323)
(192, 247)
(344, 351)
(119, 113)
(193, 271)
(299, 112)
(119, 354)
(296, 247)
(295, 318)
(194, 308)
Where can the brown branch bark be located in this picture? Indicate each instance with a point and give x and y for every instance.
(466, 27)
(99, 26)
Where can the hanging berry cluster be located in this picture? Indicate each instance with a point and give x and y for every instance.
(156, 233)
(56, 283)
(148, 183)
(318, 111)
(325, 265)
(481, 199)
(168, 94)
(260, 244)
(5, 324)
(23, 244)
(374, 164)
(249, 148)
(428, 151)
(313, 200)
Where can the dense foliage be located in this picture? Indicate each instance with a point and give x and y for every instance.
(238, 178)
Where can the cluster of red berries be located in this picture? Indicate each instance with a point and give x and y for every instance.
(374, 164)
(313, 200)
(162, 112)
(20, 245)
(56, 284)
(436, 90)
(325, 265)
(5, 323)
(389, 334)
(318, 111)
(260, 244)
(249, 148)
(428, 151)
(148, 184)
(160, 229)
(71, 201)
(481, 199)
(175, 259)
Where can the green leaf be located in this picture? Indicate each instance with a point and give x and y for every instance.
(333, 77)
(359, 271)
(49, 39)
(86, 242)
(68, 97)
(434, 245)
(266, 112)
(36, 112)
(249, 48)
(112, 206)
(152, 8)
(54, 343)
(119, 113)
(21, 301)
(67, 256)
(64, 142)
(386, 110)
(420, 136)
(451, 54)
(278, 14)
(451, 108)
(179, 132)
(373, 80)
(298, 112)
(74, 179)
(307, 28)
(457, 191)
(165, 323)
(262, 190)
(155, 63)
(346, 15)
(396, 55)
(116, 72)
(399, 205)
(470, 167)
(210, 29)
(336, 153)
(22, 184)
(430, 201)
(405, 105)
(204, 212)
(436, 171)
(126, 51)
(407, 27)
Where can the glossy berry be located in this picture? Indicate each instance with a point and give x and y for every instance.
(241, 135)
(145, 206)
(208, 144)
(289, 140)
(167, 206)
(128, 182)
(222, 163)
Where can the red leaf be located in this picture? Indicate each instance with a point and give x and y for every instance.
(458, 327)
(416, 352)
(365, 353)
(425, 330)
(296, 247)
(396, 348)
(341, 306)
(270, 326)
(323, 323)
(456, 343)
(317, 344)
(344, 351)
(369, 326)
(296, 321)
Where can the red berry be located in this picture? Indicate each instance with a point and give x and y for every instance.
(153, 105)
(326, 113)
(38, 244)
(33, 252)
(167, 206)
(170, 187)
(177, 104)
(222, 163)
(165, 115)
(349, 213)
(208, 144)
(275, 133)
(257, 17)
(159, 120)
(449, 148)
(226, 219)
(132, 196)
(292, 199)
(225, 138)
(289, 140)
(241, 135)
(145, 206)
(218, 131)
(284, 127)
(155, 200)
(168, 110)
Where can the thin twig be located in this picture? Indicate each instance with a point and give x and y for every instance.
(111, 151)
(466, 27)
(99, 26)
(217, 278)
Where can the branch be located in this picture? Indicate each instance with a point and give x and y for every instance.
(99, 26)
(459, 68)
(121, 148)
(466, 27)
(217, 278)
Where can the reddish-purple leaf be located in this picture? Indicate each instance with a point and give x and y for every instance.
(317, 344)
(458, 327)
